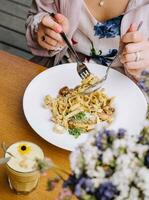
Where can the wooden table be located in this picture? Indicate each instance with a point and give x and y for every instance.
(15, 75)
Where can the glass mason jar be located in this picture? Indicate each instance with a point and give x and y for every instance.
(21, 169)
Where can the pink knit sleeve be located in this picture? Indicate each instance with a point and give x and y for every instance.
(38, 10)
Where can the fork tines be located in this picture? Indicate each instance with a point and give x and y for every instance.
(84, 73)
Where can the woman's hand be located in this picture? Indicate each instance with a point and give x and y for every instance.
(135, 56)
(48, 35)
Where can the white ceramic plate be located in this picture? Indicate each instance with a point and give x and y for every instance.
(130, 103)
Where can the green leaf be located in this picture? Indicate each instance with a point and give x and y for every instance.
(81, 116)
(4, 160)
(44, 165)
(76, 132)
(88, 197)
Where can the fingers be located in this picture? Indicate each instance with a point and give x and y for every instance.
(135, 73)
(49, 43)
(63, 21)
(135, 56)
(134, 47)
(55, 36)
(48, 34)
(46, 42)
(142, 64)
(47, 37)
(59, 23)
(131, 57)
(53, 39)
(133, 27)
(127, 58)
(130, 60)
(50, 23)
(45, 45)
(133, 37)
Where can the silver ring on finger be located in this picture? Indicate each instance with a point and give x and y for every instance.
(137, 56)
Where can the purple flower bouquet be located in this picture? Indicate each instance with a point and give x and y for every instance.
(110, 166)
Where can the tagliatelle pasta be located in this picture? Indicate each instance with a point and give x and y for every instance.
(79, 112)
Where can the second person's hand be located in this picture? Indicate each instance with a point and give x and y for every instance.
(48, 35)
(135, 56)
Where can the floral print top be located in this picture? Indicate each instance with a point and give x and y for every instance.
(99, 41)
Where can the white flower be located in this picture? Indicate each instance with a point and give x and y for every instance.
(133, 194)
(91, 140)
(124, 191)
(131, 145)
(96, 173)
(129, 174)
(101, 172)
(118, 178)
(123, 161)
(77, 162)
(98, 176)
(142, 178)
(107, 156)
(141, 149)
(90, 155)
(119, 143)
(96, 182)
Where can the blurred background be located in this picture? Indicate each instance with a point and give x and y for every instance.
(12, 27)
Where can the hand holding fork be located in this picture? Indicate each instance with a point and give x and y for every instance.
(136, 52)
(82, 69)
(100, 83)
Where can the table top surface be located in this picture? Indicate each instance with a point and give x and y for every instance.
(15, 75)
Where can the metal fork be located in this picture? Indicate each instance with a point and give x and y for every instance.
(98, 85)
(82, 69)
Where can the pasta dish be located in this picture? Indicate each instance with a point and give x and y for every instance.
(77, 111)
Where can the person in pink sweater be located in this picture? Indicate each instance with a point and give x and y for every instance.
(98, 30)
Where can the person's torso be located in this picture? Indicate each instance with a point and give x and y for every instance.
(99, 41)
